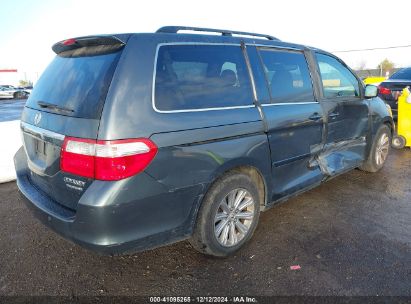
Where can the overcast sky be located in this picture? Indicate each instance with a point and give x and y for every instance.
(29, 28)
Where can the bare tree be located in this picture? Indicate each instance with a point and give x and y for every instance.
(361, 65)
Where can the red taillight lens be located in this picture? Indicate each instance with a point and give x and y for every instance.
(77, 156)
(123, 158)
(106, 160)
(383, 91)
(70, 41)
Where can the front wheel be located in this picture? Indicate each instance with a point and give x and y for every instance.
(379, 150)
(228, 216)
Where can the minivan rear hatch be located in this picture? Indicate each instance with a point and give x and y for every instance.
(67, 100)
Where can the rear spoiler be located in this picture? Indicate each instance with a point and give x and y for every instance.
(87, 46)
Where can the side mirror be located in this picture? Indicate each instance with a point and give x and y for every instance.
(371, 91)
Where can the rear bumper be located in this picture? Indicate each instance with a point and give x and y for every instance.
(121, 217)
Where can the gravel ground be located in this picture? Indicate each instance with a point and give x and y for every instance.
(351, 236)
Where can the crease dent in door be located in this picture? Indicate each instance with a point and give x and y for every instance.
(336, 157)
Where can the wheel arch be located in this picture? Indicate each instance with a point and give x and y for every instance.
(251, 169)
(390, 124)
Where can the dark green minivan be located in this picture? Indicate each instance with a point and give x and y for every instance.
(133, 141)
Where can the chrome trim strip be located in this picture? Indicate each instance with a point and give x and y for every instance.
(196, 43)
(205, 109)
(250, 71)
(290, 160)
(188, 110)
(40, 133)
(288, 103)
(276, 47)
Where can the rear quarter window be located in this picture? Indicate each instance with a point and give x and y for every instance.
(191, 77)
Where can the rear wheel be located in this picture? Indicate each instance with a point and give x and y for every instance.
(398, 142)
(379, 150)
(228, 216)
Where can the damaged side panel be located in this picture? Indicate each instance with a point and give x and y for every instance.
(347, 121)
(347, 126)
(336, 158)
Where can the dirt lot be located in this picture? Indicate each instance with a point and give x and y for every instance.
(351, 236)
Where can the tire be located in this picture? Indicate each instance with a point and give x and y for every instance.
(18, 95)
(398, 142)
(212, 216)
(381, 143)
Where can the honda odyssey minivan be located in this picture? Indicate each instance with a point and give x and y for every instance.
(133, 141)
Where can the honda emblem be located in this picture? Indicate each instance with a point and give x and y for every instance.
(37, 118)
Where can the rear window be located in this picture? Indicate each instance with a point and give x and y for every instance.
(190, 77)
(79, 84)
(402, 74)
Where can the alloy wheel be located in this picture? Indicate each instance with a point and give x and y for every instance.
(234, 217)
(381, 152)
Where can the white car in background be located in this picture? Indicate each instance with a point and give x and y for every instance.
(7, 92)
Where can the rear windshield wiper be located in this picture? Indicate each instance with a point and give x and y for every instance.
(57, 108)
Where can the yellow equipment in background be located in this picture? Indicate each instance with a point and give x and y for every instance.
(374, 80)
(403, 137)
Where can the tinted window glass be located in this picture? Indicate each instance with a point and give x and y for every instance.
(337, 80)
(263, 94)
(78, 83)
(287, 76)
(402, 74)
(201, 76)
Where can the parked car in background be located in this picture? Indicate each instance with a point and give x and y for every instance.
(10, 92)
(6, 93)
(8, 86)
(188, 136)
(390, 89)
(28, 89)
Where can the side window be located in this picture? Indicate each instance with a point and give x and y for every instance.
(287, 76)
(192, 77)
(337, 80)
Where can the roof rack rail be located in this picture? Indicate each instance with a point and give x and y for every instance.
(176, 29)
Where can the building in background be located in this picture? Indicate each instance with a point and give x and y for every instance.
(375, 73)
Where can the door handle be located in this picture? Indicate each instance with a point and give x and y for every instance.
(335, 114)
(315, 116)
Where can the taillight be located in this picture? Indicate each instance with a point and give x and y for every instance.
(383, 90)
(70, 41)
(105, 159)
